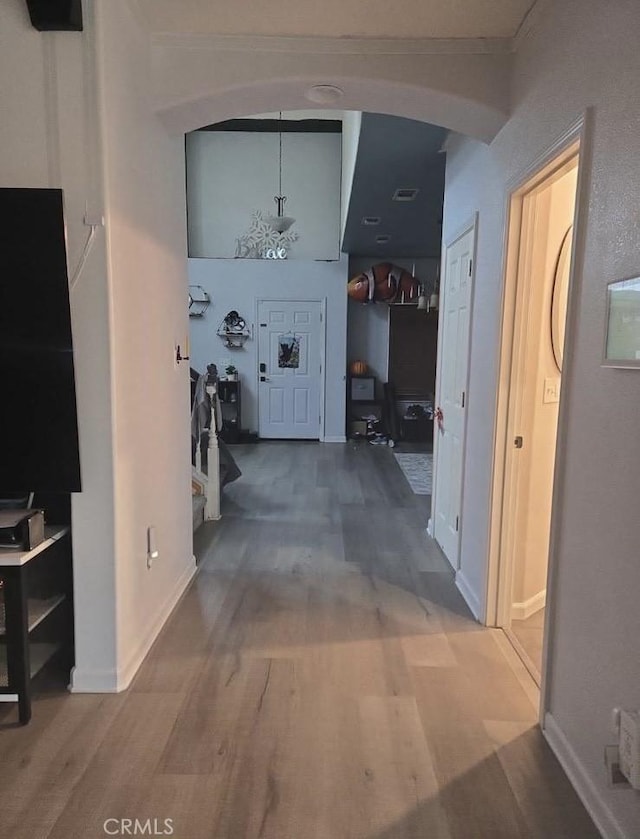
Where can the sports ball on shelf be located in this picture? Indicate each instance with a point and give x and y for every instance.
(408, 288)
(384, 283)
(358, 289)
(358, 368)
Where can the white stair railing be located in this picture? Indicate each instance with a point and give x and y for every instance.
(212, 505)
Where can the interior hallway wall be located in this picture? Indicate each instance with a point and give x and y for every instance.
(49, 138)
(147, 252)
(579, 54)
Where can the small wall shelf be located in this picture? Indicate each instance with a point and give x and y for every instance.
(199, 301)
(234, 331)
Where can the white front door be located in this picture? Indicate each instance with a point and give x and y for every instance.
(289, 369)
(451, 383)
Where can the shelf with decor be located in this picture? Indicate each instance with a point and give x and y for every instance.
(366, 411)
(36, 614)
(230, 395)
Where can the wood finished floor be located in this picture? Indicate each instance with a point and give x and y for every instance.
(321, 679)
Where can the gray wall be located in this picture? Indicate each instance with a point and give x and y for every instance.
(582, 54)
(238, 284)
(230, 174)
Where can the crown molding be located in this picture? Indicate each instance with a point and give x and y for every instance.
(333, 46)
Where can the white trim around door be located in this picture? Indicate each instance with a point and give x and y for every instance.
(571, 144)
(452, 391)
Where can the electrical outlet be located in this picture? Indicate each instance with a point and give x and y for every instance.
(551, 391)
(152, 546)
(615, 778)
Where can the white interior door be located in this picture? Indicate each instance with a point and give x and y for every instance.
(289, 369)
(453, 362)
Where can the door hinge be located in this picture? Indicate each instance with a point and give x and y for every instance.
(321, 317)
(470, 266)
(463, 395)
(457, 523)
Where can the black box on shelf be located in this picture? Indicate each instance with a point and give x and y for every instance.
(21, 529)
(363, 389)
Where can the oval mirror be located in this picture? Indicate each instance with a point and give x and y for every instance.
(559, 297)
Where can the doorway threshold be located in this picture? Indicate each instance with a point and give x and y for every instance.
(523, 670)
(523, 655)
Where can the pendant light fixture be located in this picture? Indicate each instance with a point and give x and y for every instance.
(269, 236)
(280, 222)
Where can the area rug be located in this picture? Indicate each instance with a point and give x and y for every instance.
(418, 470)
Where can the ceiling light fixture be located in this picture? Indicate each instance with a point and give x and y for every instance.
(371, 221)
(280, 223)
(269, 236)
(324, 94)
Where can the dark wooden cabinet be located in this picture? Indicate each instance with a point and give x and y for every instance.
(366, 414)
(413, 341)
(36, 615)
(230, 395)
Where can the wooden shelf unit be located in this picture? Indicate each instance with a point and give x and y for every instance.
(36, 614)
(230, 393)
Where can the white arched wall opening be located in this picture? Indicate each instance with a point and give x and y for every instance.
(463, 116)
(150, 91)
(465, 93)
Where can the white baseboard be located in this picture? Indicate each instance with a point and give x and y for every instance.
(126, 674)
(587, 791)
(525, 608)
(338, 439)
(471, 598)
(114, 681)
(93, 681)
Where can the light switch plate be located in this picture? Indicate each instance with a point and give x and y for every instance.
(551, 390)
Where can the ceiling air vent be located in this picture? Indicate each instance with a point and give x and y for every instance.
(405, 194)
(382, 239)
(371, 221)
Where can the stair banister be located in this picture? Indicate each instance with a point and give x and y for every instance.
(212, 506)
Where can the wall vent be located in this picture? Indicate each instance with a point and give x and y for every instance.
(383, 238)
(405, 194)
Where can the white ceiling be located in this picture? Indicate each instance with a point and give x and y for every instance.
(339, 18)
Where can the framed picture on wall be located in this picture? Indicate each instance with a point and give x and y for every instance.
(622, 339)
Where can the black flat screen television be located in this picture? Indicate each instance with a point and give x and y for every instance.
(38, 420)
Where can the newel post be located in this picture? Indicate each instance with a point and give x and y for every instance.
(212, 506)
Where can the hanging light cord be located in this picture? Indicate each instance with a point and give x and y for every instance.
(280, 171)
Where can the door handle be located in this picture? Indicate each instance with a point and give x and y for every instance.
(265, 379)
(518, 442)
